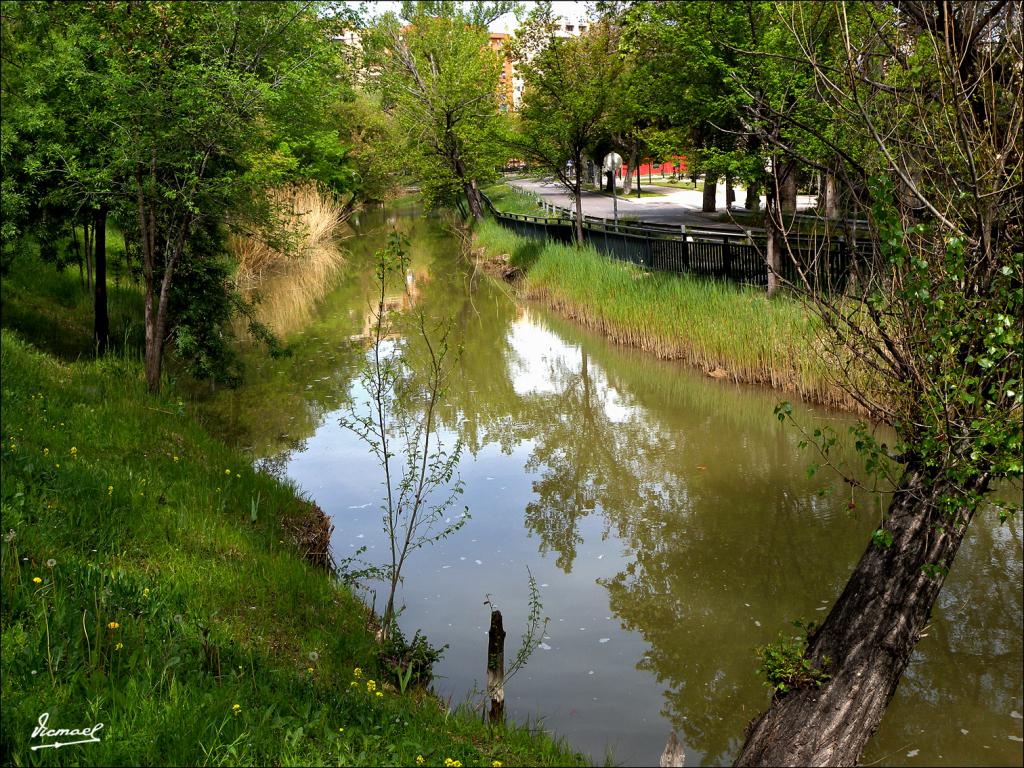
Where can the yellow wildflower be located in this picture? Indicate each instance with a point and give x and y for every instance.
(175, 459)
(357, 672)
(495, 763)
(145, 592)
(110, 490)
(113, 625)
(227, 471)
(236, 709)
(380, 695)
(119, 646)
(419, 759)
(46, 451)
(341, 730)
(74, 451)
(353, 684)
(309, 670)
(37, 580)
(371, 686)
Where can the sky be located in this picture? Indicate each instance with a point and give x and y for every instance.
(571, 10)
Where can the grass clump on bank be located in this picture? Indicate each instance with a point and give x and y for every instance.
(150, 583)
(724, 329)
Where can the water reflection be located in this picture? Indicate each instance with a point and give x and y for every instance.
(668, 517)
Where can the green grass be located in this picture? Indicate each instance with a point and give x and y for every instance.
(141, 590)
(710, 324)
(509, 200)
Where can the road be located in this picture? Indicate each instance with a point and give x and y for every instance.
(675, 206)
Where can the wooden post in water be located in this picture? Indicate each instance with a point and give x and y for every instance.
(496, 668)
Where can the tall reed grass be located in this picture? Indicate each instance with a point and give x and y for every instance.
(727, 330)
(290, 281)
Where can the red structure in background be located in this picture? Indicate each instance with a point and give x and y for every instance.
(650, 168)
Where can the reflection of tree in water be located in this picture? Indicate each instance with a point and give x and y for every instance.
(709, 506)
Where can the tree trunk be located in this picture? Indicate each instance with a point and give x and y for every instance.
(476, 208)
(868, 637)
(787, 188)
(831, 192)
(87, 238)
(752, 202)
(577, 191)
(774, 247)
(730, 193)
(101, 321)
(627, 186)
(710, 193)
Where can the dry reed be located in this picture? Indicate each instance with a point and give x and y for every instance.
(289, 282)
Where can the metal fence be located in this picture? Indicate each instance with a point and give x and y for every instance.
(718, 253)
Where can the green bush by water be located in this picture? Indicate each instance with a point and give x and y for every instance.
(140, 591)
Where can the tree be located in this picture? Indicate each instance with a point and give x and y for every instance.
(439, 78)
(929, 338)
(569, 85)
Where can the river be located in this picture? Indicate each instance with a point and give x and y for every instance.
(669, 521)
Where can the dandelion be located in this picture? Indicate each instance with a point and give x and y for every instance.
(46, 451)
(113, 625)
(227, 472)
(452, 763)
(371, 686)
(175, 459)
(309, 670)
(357, 672)
(314, 656)
(495, 763)
(119, 646)
(379, 694)
(341, 730)
(74, 451)
(236, 709)
(37, 580)
(419, 759)
(110, 490)
(51, 563)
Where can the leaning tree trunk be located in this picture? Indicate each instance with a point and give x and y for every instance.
(476, 208)
(868, 637)
(710, 193)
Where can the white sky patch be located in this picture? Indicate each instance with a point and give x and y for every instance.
(570, 10)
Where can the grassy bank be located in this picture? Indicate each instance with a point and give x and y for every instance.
(151, 582)
(729, 330)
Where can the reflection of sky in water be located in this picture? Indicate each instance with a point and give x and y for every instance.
(671, 528)
(538, 351)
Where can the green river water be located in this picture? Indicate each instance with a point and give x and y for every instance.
(668, 519)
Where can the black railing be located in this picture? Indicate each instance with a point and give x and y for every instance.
(718, 253)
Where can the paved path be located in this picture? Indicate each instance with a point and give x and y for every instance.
(675, 206)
